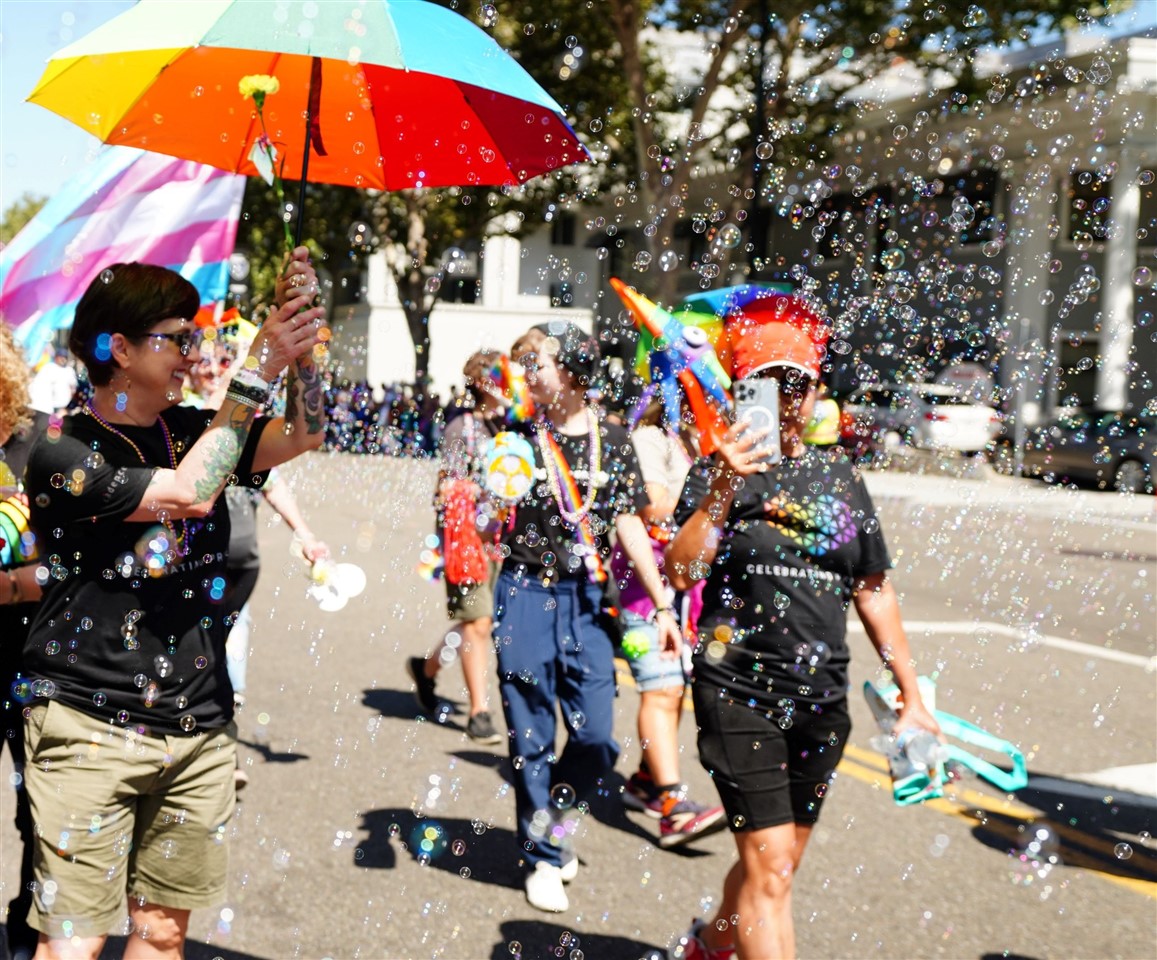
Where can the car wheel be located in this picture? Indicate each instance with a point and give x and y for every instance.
(1003, 459)
(1130, 477)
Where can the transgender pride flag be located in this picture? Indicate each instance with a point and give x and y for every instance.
(127, 205)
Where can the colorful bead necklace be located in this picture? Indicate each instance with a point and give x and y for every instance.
(181, 538)
(557, 470)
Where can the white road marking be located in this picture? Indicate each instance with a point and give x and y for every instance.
(1022, 635)
(1139, 778)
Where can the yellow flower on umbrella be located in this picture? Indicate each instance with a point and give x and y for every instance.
(264, 155)
(257, 85)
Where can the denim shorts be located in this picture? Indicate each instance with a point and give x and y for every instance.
(651, 670)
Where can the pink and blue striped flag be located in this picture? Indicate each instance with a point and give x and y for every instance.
(127, 205)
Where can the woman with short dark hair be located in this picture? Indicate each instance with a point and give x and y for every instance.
(129, 724)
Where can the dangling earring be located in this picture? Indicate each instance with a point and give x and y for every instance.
(122, 397)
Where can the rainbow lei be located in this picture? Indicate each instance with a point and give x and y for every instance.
(574, 509)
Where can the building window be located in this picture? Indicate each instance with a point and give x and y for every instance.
(459, 290)
(348, 287)
(966, 206)
(1089, 205)
(1076, 369)
(562, 227)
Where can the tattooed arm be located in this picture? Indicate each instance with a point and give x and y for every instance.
(303, 426)
(192, 488)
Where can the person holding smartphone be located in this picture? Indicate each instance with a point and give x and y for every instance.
(785, 544)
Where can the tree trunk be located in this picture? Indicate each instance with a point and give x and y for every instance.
(664, 193)
(406, 261)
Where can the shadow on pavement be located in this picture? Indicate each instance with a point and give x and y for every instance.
(398, 704)
(1067, 837)
(1085, 803)
(539, 940)
(269, 755)
(443, 843)
(1006, 956)
(481, 758)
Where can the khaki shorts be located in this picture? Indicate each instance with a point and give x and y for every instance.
(120, 814)
(471, 602)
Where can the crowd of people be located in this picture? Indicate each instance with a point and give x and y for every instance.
(713, 557)
(395, 419)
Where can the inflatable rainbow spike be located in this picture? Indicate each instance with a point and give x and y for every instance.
(679, 356)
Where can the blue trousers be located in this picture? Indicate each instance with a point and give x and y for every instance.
(553, 649)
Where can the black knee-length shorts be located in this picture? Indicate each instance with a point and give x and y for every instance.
(767, 775)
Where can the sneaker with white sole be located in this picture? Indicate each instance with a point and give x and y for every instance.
(682, 820)
(480, 729)
(544, 890)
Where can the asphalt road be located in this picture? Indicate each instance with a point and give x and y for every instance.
(1034, 605)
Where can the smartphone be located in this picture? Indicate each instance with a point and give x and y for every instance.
(757, 402)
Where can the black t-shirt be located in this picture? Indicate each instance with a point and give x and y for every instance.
(538, 538)
(774, 618)
(121, 634)
(15, 618)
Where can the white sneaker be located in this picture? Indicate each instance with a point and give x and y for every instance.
(544, 888)
(568, 869)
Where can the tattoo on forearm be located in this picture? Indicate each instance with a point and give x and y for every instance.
(312, 398)
(225, 449)
(291, 391)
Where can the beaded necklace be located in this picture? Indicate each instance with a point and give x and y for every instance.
(181, 538)
(557, 470)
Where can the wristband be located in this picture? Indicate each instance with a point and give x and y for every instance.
(250, 378)
(670, 608)
(243, 399)
(257, 394)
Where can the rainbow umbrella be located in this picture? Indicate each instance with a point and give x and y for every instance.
(387, 94)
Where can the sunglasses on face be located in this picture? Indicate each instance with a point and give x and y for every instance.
(216, 360)
(789, 379)
(185, 340)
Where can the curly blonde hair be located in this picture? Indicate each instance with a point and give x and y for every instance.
(14, 379)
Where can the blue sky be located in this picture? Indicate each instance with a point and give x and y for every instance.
(39, 151)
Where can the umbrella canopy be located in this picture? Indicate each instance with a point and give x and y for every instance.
(407, 94)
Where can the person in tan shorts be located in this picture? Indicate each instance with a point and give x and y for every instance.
(469, 605)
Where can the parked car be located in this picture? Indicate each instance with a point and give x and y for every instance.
(934, 416)
(1112, 449)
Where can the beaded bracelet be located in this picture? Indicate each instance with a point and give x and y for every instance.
(245, 399)
(257, 394)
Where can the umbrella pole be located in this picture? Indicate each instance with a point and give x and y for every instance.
(304, 176)
(312, 109)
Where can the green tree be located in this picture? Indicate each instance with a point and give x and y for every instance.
(773, 81)
(18, 213)
(330, 213)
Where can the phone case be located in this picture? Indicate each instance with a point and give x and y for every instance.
(757, 401)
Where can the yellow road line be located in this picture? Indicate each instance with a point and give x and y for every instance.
(966, 804)
(871, 768)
